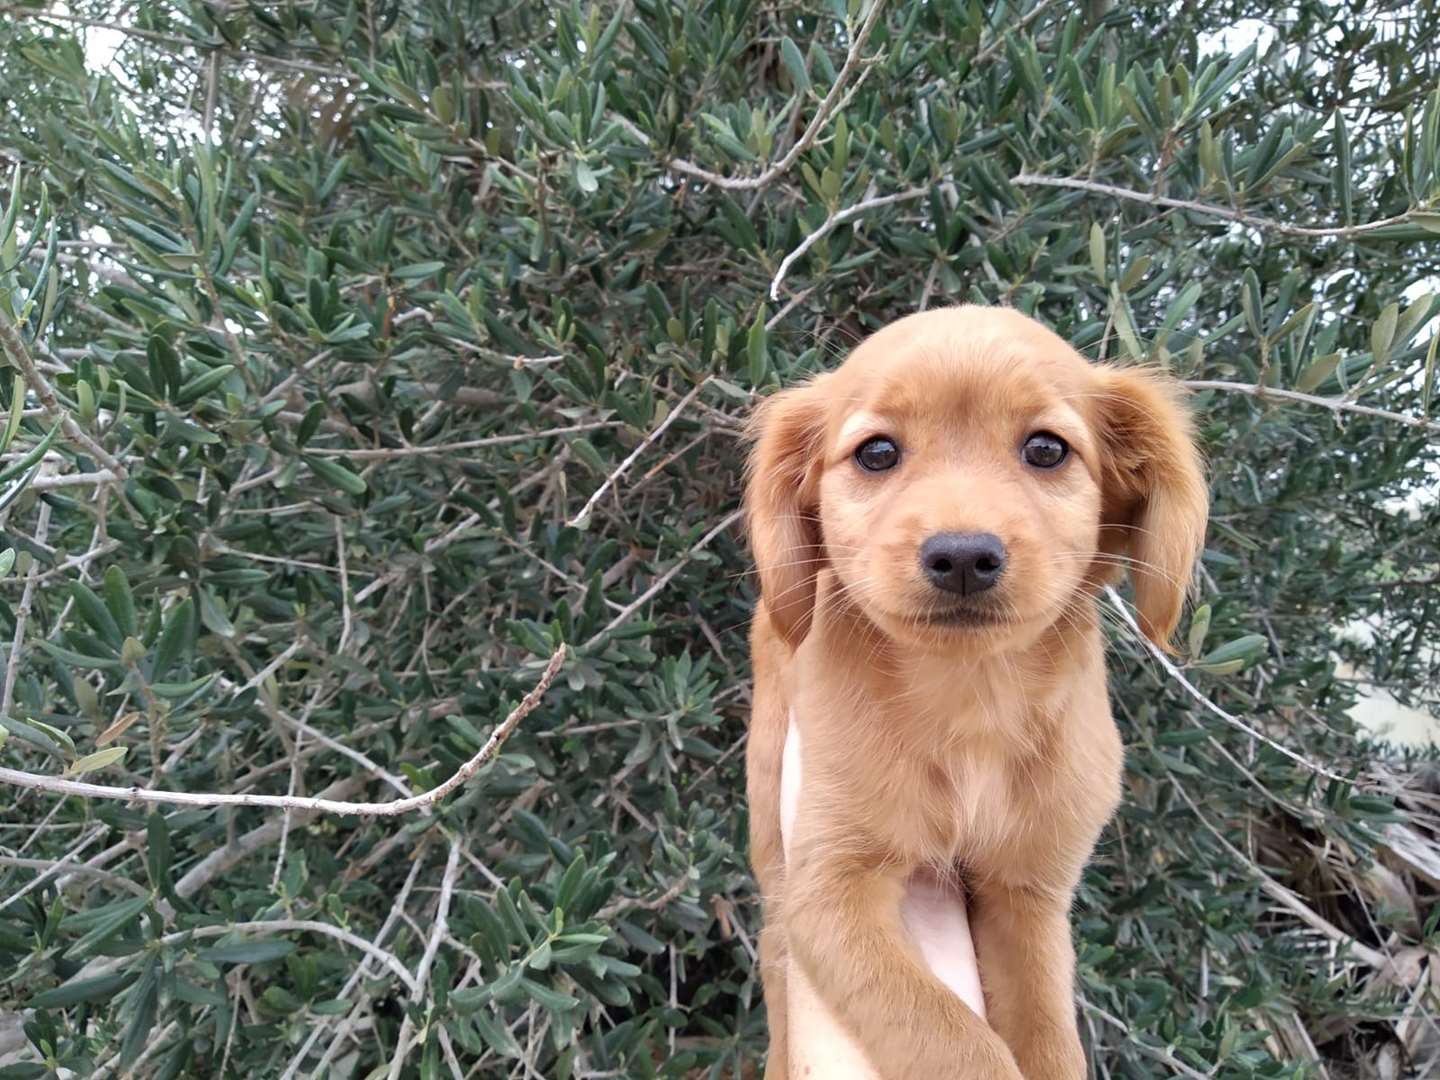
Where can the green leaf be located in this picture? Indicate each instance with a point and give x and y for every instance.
(1427, 391)
(547, 998)
(1382, 334)
(253, 951)
(794, 63)
(1199, 627)
(1372, 805)
(41, 736)
(1097, 252)
(141, 1006)
(1341, 178)
(497, 1036)
(17, 412)
(332, 472)
(1316, 372)
(35, 454)
(1179, 308)
(212, 614)
(94, 762)
(1242, 650)
(96, 615)
(117, 917)
(757, 350)
(159, 851)
(75, 991)
(80, 660)
(585, 177)
(417, 271)
(176, 637)
(119, 601)
(201, 385)
(171, 691)
(1413, 317)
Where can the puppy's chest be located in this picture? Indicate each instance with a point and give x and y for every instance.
(966, 803)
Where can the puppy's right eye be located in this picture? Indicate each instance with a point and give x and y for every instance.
(877, 455)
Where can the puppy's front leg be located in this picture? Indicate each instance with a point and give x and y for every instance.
(842, 922)
(1027, 964)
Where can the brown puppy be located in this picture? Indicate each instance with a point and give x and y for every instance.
(931, 523)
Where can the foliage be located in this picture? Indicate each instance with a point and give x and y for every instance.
(353, 305)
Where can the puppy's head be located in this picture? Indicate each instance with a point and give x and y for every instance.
(970, 478)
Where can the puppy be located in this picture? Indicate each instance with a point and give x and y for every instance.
(931, 523)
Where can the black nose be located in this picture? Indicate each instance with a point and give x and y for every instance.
(964, 563)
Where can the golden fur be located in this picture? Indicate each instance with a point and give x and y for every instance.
(984, 751)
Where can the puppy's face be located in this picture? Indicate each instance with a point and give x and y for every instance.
(960, 491)
(969, 478)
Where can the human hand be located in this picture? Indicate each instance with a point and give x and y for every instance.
(934, 914)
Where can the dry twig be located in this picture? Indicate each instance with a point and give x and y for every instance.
(394, 808)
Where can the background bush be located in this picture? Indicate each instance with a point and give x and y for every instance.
(397, 341)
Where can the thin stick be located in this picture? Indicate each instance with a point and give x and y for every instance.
(990, 50)
(394, 808)
(22, 615)
(831, 223)
(664, 579)
(1287, 897)
(65, 863)
(272, 667)
(270, 926)
(1214, 210)
(822, 116)
(360, 972)
(427, 959)
(1337, 405)
(85, 479)
(1132, 1037)
(381, 453)
(579, 519)
(1179, 676)
(18, 355)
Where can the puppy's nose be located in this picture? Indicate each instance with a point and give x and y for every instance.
(964, 563)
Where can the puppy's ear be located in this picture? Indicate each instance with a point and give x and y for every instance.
(782, 498)
(1155, 501)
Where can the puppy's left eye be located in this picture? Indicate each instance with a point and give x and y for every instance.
(1045, 450)
(877, 455)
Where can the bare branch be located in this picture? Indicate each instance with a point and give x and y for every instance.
(18, 355)
(1179, 676)
(427, 960)
(381, 453)
(22, 614)
(394, 808)
(1212, 209)
(65, 480)
(827, 108)
(1287, 897)
(269, 926)
(578, 521)
(663, 580)
(831, 223)
(1337, 405)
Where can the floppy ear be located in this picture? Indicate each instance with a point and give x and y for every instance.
(1155, 500)
(782, 498)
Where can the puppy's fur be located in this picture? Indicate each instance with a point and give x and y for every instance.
(965, 736)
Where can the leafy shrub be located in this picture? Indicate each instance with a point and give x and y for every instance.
(363, 351)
